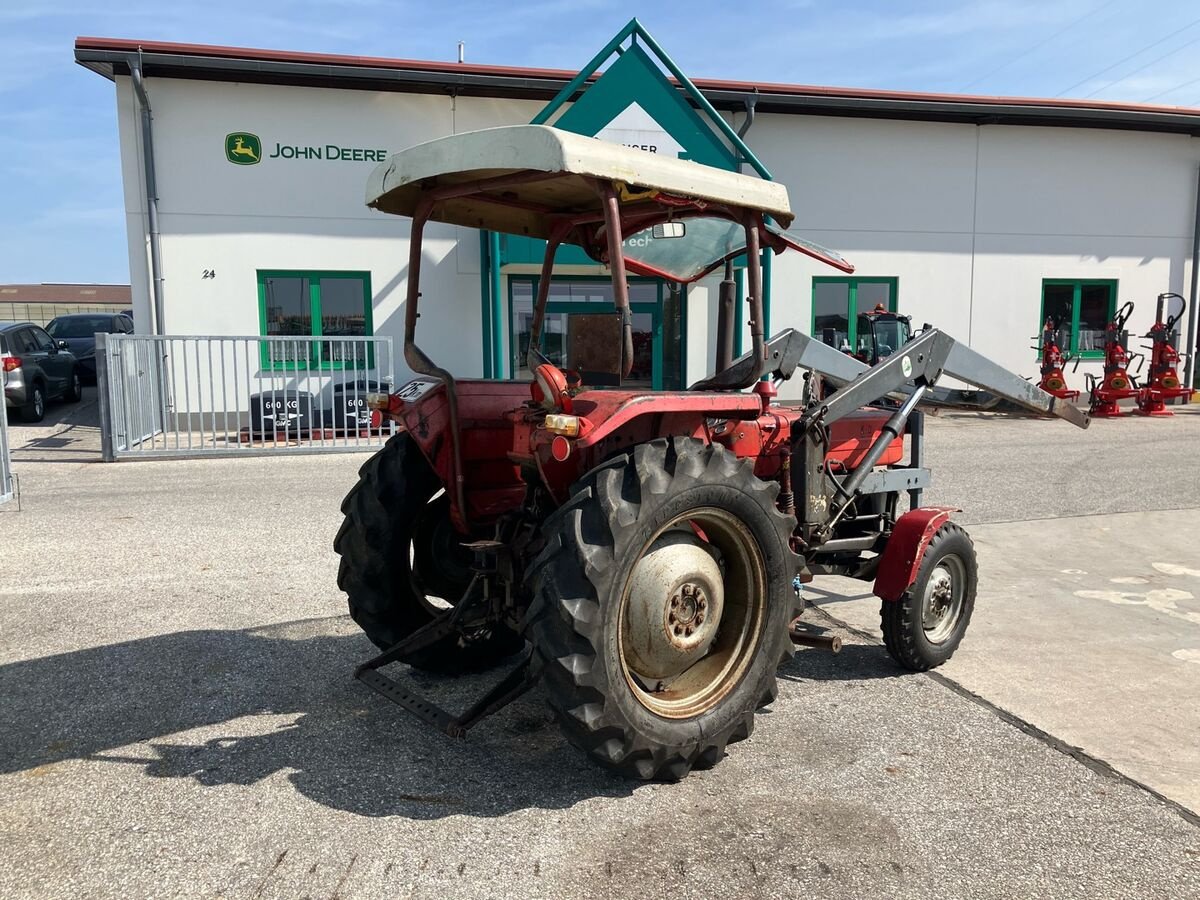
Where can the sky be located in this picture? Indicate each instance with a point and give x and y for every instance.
(62, 214)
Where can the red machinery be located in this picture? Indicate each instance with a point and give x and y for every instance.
(1163, 383)
(642, 549)
(1117, 384)
(1053, 359)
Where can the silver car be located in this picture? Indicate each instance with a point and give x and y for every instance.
(36, 369)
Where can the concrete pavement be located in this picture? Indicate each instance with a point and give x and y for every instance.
(1088, 628)
(177, 716)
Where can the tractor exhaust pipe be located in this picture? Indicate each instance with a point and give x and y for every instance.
(726, 301)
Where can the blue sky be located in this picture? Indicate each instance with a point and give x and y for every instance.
(59, 176)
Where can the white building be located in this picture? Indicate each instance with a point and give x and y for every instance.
(978, 214)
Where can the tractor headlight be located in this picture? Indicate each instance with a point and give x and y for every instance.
(378, 401)
(567, 426)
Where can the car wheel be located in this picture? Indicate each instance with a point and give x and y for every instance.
(74, 388)
(34, 409)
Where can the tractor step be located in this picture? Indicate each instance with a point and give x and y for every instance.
(427, 712)
(523, 677)
(476, 597)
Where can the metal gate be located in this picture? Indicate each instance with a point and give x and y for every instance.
(7, 488)
(190, 395)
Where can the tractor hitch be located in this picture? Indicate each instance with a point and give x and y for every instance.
(477, 600)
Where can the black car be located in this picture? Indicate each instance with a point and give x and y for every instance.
(79, 331)
(34, 369)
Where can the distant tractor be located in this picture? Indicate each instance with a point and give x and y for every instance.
(643, 550)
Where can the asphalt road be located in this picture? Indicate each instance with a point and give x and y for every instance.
(177, 718)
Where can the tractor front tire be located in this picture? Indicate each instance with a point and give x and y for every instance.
(393, 519)
(660, 607)
(924, 627)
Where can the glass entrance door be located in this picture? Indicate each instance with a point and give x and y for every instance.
(574, 295)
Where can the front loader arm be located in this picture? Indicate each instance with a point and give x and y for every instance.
(929, 356)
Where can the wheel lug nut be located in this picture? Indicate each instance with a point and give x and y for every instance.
(700, 618)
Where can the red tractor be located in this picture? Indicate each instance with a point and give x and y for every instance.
(642, 550)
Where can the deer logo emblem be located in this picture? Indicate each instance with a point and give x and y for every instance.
(243, 148)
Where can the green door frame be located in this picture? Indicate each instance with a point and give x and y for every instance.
(852, 282)
(1078, 284)
(640, 70)
(569, 306)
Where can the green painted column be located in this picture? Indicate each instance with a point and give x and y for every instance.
(485, 304)
(499, 364)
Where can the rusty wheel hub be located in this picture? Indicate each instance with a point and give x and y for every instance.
(675, 602)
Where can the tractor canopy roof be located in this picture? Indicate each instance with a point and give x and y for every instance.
(533, 180)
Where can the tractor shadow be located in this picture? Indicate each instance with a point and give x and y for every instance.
(855, 662)
(235, 707)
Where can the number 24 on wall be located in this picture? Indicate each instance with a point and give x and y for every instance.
(209, 273)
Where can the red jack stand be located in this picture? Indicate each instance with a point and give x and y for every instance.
(1053, 359)
(1164, 381)
(1117, 384)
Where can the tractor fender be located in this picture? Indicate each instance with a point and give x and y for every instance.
(901, 558)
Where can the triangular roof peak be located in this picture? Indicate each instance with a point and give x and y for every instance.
(637, 84)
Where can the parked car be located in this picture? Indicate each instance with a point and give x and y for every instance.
(79, 331)
(36, 369)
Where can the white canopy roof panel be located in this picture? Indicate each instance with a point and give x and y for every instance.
(396, 186)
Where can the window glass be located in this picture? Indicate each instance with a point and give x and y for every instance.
(41, 340)
(554, 326)
(871, 294)
(22, 341)
(1057, 304)
(79, 326)
(289, 308)
(522, 325)
(312, 305)
(831, 321)
(343, 311)
(1095, 307)
(563, 290)
(1079, 310)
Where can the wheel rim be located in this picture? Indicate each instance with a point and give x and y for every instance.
(942, 600)
(684, 641)
(76, 385)
(39, 405)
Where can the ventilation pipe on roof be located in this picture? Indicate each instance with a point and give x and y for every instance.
(156, 290)
(1189, 369)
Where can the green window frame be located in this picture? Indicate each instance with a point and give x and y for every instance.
(655, 309)
(314, 358)
(1081, 336)
(852, 286)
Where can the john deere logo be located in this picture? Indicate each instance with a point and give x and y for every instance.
(243, 148)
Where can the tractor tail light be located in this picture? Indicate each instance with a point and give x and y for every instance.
(11, 363)
(568, 426)
(560, 448)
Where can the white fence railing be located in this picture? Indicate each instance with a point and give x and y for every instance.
(7, 488)
(189, 395)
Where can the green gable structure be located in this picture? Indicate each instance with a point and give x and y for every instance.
(641, 86)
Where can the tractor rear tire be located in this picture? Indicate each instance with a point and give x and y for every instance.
(393, 516)
(924, 627)
(637, 679)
